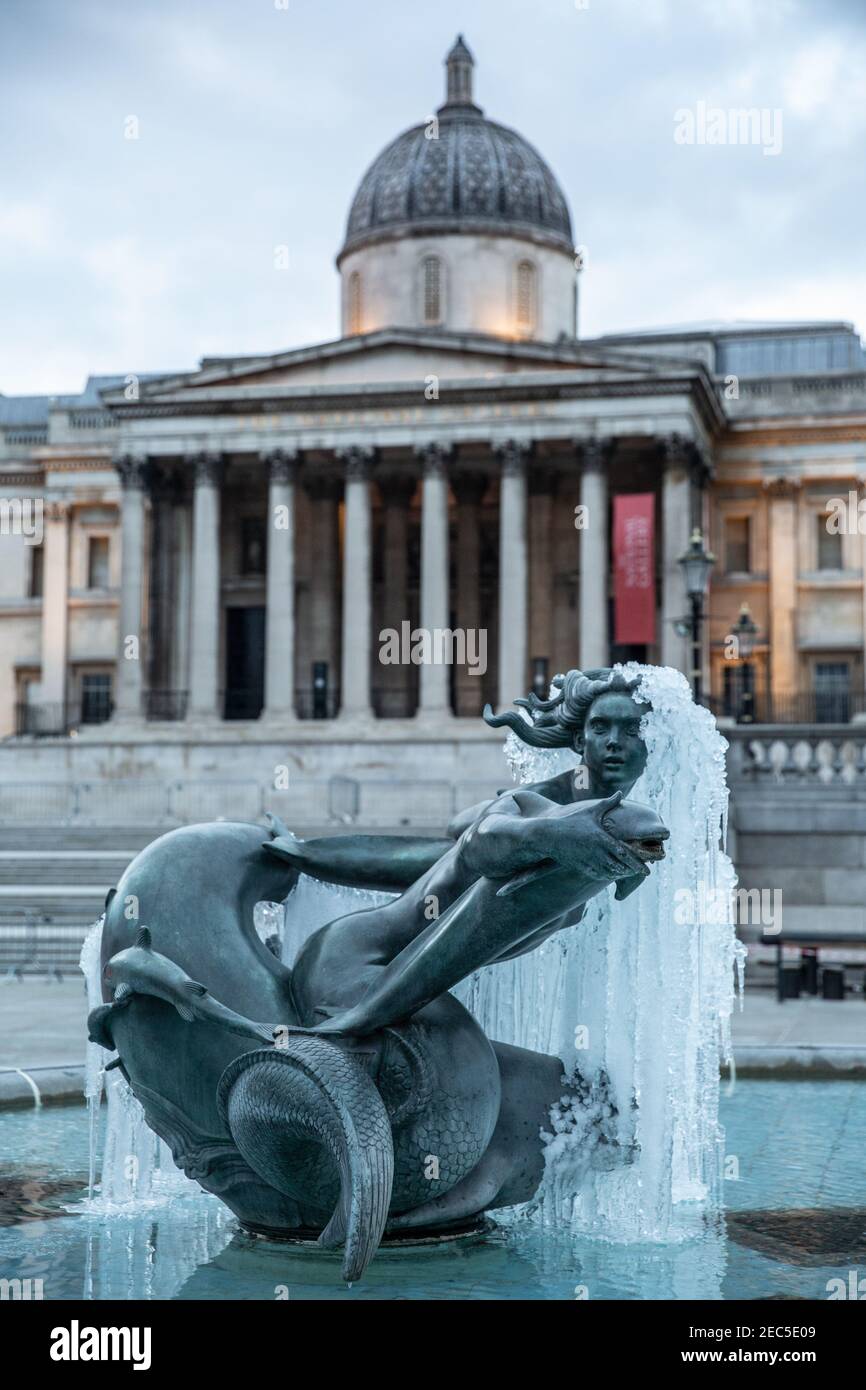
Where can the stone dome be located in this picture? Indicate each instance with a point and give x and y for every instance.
(459, 173)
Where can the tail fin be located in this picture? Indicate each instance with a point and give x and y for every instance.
(315, 1090)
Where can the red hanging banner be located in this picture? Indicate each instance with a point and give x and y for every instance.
(634, 578)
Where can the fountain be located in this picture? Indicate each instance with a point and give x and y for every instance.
(313, 1068)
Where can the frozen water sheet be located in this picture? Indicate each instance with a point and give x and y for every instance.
(639, 994)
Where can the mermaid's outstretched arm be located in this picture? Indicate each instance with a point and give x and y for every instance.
(486, 923)
(381, 863)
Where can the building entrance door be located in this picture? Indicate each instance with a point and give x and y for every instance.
(245, 663)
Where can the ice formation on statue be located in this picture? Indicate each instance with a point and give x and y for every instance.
(639, 994)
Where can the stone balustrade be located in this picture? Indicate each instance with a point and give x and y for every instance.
(797, 756)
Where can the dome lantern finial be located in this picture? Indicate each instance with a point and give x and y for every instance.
(458, 65)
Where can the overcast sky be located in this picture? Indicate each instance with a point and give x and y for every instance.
(256, 123)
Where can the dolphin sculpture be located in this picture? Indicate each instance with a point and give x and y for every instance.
(141, 970)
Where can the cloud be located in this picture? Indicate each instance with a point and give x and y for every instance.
(257, 125)
(26, 227)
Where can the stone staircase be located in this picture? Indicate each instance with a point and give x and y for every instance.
(53, 882)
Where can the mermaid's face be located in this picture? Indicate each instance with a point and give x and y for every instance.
(612, 747)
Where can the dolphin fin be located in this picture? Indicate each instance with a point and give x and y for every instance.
(123, 994)
(115, 1062)
(277, 826)
(99, 1026)
(532, 802)
(626, 886)
(108, 898)
(607, 803)
(520, 880)
(142, 938)
(185, 1011)
(193, 987)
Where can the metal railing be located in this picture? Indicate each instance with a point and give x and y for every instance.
(317, 704)
(44, 948)
(165, 704)
(57, 719)
(804, 707)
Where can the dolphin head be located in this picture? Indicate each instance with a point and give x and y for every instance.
(640, 828)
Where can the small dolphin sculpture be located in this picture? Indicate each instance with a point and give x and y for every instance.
(635, 825)
(141, 970)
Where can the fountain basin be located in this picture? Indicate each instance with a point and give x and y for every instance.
(794, 1221)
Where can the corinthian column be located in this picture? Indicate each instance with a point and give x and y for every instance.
(594, 562)
(204, 639)
(469, 489)
(435, 608)
(783, 586)
(280, 611)
(130, 638)
(357, 584)
(55, 609)
(397, 487)
(513, 569)
(676, 530)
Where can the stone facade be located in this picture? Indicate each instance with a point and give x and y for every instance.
(221, 554)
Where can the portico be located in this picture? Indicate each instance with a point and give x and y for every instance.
(367, 507)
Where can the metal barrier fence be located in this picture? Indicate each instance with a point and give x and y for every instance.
(340, 800)
(805, 707)
(41, 948)
(58, 719)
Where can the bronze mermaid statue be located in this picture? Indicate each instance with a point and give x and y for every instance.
(379, 1105)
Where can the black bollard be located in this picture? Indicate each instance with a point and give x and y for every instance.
(789, 982)
(833, 982)
(809, 969)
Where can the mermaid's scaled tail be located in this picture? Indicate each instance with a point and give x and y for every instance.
(308, 1089)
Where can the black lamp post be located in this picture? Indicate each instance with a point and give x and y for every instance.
(745, 630)
(697, 563)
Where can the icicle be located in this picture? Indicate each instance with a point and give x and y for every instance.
(94, 1066)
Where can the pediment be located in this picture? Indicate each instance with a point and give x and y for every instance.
(393, 356)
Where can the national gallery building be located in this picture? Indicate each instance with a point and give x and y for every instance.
(273, 551)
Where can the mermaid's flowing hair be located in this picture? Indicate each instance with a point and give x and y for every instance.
(557, 722)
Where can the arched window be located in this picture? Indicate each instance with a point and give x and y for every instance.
(525, 297)
(432, 289)
(354, 302)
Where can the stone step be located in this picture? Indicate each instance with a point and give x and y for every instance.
(73, 907)
(75, 867)
(78, 837)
